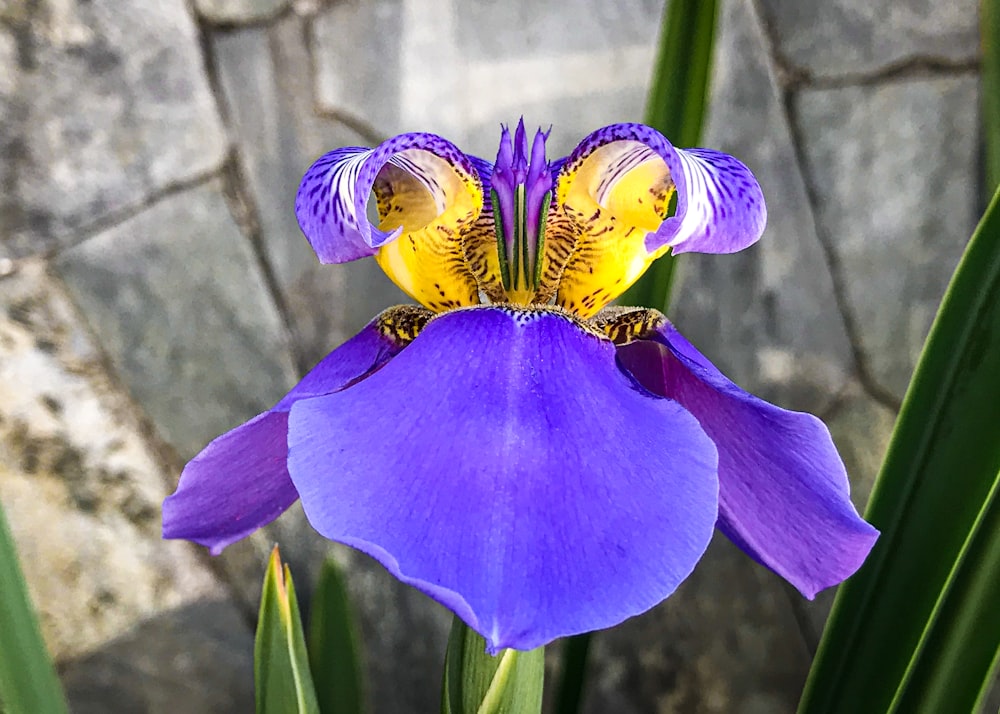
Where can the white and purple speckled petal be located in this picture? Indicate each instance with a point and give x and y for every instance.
(720, 207)
(332, 201)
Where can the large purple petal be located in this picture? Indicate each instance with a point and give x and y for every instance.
(332, 201)
(239, 482)
(783, 491)
(506, 466)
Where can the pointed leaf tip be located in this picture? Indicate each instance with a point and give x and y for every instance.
(281, 663)
(334, 646)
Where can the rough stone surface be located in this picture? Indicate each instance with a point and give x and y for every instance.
(358, 51)
(767, 316)
(237, 11)
(861, 427)
(110, 105)
(830, 39)
(264, 75)
(894, 167)
(499, 32)
(178, 300)
(437, 72)
(72, 455)
(197, 659)
(725, 642)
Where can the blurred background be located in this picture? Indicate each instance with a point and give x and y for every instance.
(155, 291)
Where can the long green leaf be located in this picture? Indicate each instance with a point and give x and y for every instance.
(477, 683)
(281, 664)
(574, 677)
(920, 618)
(676, 108)
(333, 646)
(989, 28)
(28, 682)
(952, 668)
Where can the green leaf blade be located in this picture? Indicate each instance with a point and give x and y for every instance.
(283, 684)
(28, 682)
(952, 669)
(921, 590)
(477, 683)
(334, 651)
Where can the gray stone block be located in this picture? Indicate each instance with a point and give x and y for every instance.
(358, 51)
(74, 455)
(197, 659)
(181, 308)
(830, 39)
(894, 167)
(500, 31)
(767, 316)
(264, 74)
(109, 106)
(725, 642)
(442, 72)
(239, 11)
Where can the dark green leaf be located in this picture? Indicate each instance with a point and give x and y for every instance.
(28, 683)
(676, 108)
(916, 629)
(952, 668)
(333, 646)
(281, 665)
(574, 677)
(476, 683)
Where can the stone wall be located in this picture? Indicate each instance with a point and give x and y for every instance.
(155, 290)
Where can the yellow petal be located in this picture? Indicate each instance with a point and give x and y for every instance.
(615, 195)
(433, 202)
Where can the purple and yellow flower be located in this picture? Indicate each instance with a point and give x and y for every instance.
(540, 463)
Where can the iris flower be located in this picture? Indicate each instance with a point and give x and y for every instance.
(539, 463)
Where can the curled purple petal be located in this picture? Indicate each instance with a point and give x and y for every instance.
(720, 207)
(239, 482)
(504, 465)
(783, 491)
(332, 201)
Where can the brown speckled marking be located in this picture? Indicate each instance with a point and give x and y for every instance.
(561, 237)
(623, 325)
(479, 246)
(403, 323)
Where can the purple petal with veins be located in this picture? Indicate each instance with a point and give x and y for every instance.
(784, 497)
(470, 467)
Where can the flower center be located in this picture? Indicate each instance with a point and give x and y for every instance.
(521, 194)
